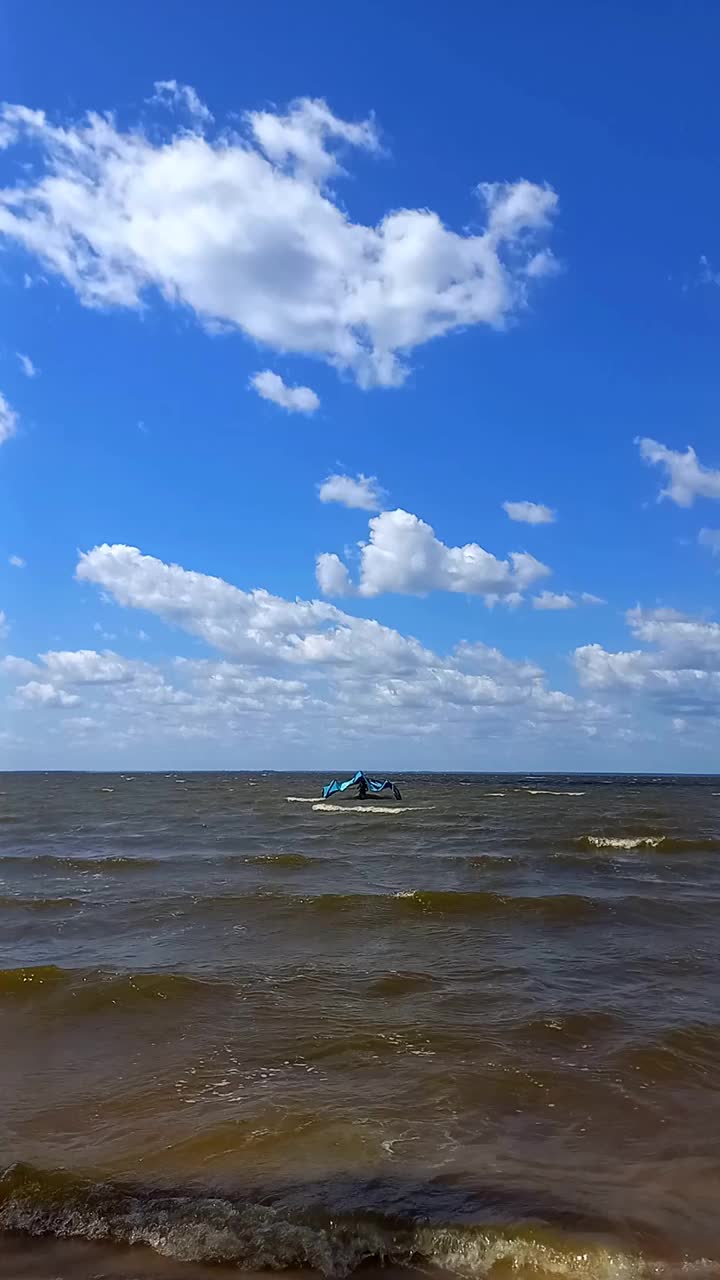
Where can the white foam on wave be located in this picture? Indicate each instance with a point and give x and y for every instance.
(625, 842)
(301, 799)
(492, 795)
(321, 807)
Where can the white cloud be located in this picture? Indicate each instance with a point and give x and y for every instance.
(4, 624)
(529, 512)
(710, 538)
(288, 670)
(174, 95)
(87, 666)
(688, 479)
(404, 556)
(253, 625)
(362, 492)
(551, 600)
(8, 420)
(37, 693)
(332, 575)
(19, 667)
(270, 386)
(301, 136)
(678, 670)
(17, 562)
(587, 597)
(27, 365)
(542, 264)
(242, 229)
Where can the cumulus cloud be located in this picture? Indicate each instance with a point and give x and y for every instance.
(253, 625)
(299, 670)
(529, 512)
(551, 600)
(404, 556)
(242, 228)
(37, 693)
(678, 670)
(17, 562)
(587, 597)
(688, 478)
(332, 575)
(270, 386)
(87, 666)
(27, 365)
(360, 492)
(8, 420)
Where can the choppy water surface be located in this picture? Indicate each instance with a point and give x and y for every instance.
(477, 1031)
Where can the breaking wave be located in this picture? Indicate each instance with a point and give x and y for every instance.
(323, 807)
(670, 844)
(203, 1228)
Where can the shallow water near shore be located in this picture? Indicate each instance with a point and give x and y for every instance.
(476, 1032)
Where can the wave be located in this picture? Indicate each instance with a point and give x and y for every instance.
(301, 799)
(194, 1227)
(539, 791)
(671, 844)
(93, 989)
(10, 903)
(61, 862)
(282, 860)
(323, 807)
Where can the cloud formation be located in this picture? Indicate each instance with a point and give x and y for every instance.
(45, 695)
(242, 228)
(687, 478)
(551, 600)
(26, 365)
(362, 493)
(403, 555)
(529, 512)
(270, 386)
(8, 420)
(171, 94)
(678, 670)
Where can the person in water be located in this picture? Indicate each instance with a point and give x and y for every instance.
(363, 789)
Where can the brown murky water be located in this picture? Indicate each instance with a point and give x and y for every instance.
(474, 1032)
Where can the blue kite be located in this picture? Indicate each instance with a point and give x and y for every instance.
(366, 786)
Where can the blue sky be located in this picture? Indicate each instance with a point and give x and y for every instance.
(311, 295)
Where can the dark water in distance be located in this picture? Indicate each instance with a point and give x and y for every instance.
(476, 1032)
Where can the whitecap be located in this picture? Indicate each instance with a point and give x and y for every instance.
(625, 842)
(301, 799)
(322, 807)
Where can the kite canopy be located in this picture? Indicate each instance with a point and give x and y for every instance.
(357, 780)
